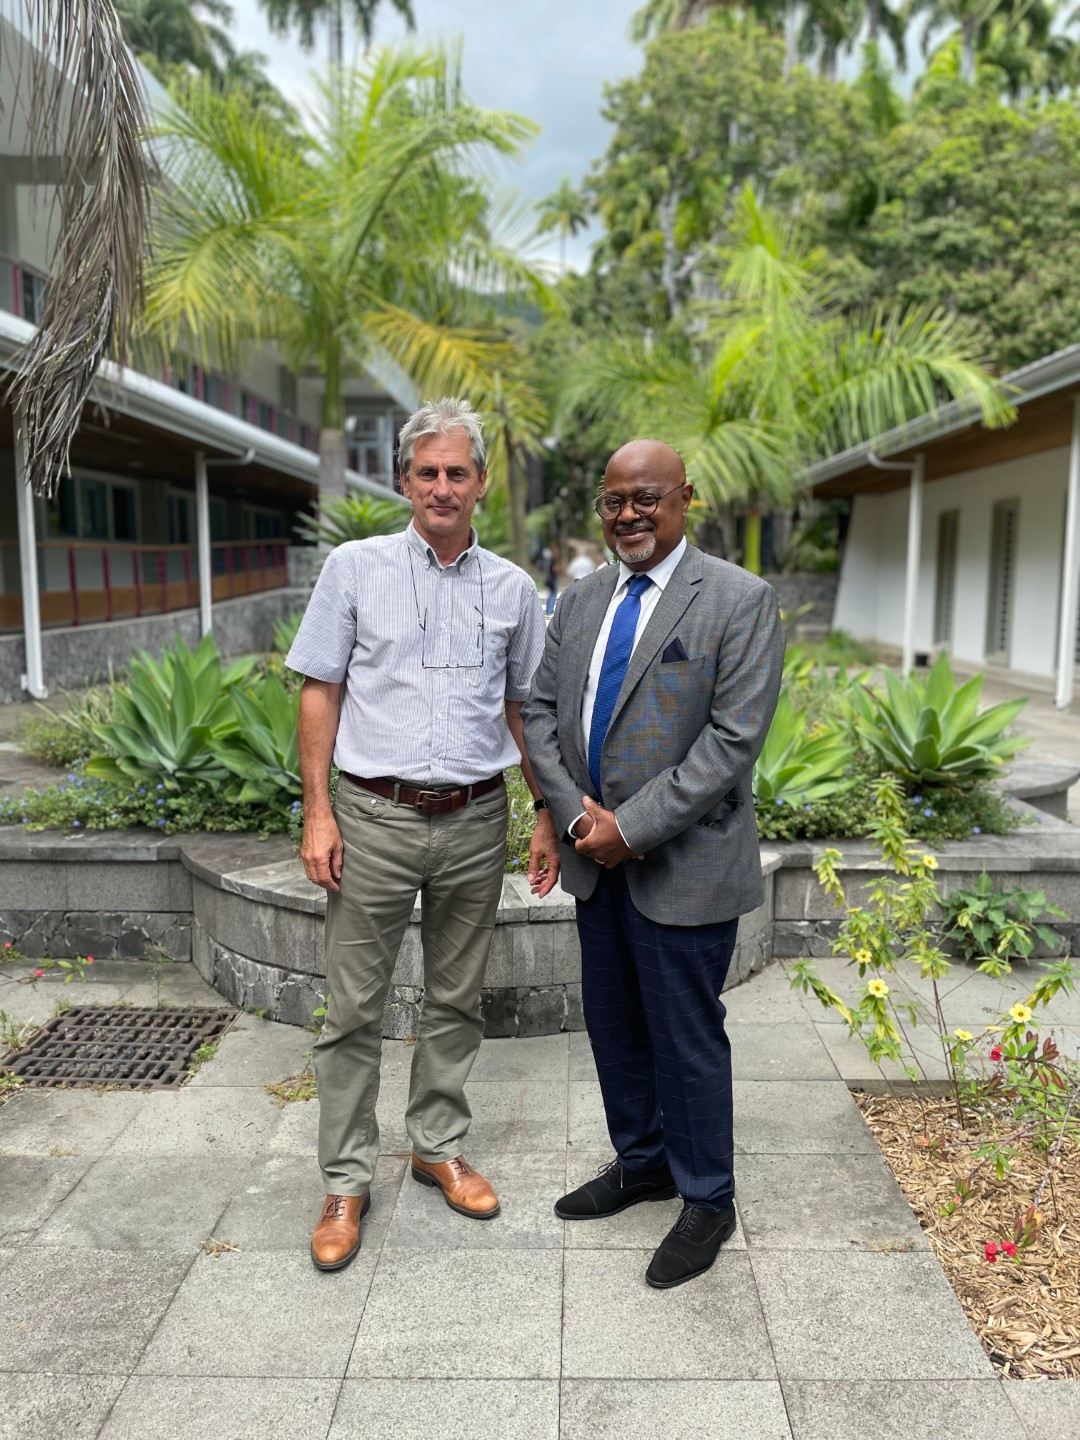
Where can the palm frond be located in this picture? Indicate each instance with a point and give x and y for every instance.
(85, 109)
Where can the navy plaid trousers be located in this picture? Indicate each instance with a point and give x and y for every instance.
(656, 1026)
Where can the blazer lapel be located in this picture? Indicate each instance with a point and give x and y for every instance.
(679, 594)
(593, 608)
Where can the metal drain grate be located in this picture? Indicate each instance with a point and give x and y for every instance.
(142, 1048)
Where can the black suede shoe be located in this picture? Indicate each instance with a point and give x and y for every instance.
(691, 1245)
(615, 1189)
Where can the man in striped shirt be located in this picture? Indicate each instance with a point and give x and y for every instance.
(418, 651)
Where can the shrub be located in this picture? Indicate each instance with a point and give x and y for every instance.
(86, 803)
(285, 632)
(929, 732)
(354, 518)
(261, 753)
(798, 766)
(65, 737)
(986, 922)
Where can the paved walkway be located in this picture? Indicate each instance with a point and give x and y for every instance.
(826, 1318)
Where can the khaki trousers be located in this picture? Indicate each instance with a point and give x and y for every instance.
(456, 863)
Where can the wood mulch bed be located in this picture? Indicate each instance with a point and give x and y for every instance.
(1026, 1311)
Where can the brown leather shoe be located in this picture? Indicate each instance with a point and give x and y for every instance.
(337, 1236)
(464, 1189)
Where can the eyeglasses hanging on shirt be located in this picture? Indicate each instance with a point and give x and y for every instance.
(454, 640)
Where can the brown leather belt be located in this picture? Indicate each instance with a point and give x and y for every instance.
(443, 800)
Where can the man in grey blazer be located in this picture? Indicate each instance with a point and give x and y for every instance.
(650, 706)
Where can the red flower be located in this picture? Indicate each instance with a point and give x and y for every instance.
(995, 1053)
(922, 1140)
(991, 1252)
(89, 959)
(7, 944)
(38, 972)
(1010, 1248)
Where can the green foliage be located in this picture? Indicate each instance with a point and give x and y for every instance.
(261, 753)
(285, 632)
(165, 714)
(66, 737)
(521, 823)
(85, 803)
(356, 517)
(930, 733)
(798, 766)
(985, 922)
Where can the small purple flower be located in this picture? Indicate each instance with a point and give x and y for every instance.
(928, 811)
(161, 787)
(159, 802)
(976, 830)
(916, 799)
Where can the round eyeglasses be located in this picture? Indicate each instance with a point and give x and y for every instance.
(610, 506)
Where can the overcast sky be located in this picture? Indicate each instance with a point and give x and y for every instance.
(547, 59)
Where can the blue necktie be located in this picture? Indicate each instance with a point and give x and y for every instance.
(620, 647)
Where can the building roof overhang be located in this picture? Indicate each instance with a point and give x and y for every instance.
(954, 440)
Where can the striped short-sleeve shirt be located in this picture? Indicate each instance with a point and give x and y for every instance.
(428, 655)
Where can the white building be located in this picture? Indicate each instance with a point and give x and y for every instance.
(967, 540)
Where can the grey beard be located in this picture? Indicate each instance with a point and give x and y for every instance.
(643, 551)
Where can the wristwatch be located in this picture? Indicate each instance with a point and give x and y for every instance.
(539, 805)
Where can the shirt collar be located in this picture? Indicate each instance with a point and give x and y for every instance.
(659, 574)
(419, 546)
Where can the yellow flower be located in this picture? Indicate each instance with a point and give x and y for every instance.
(878, 988)
(863, 956)
(1021, 1014)
(963, 1035)
(929, 862)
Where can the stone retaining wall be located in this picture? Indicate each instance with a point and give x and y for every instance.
(244, 912)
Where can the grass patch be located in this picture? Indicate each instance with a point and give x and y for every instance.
(296, 1088)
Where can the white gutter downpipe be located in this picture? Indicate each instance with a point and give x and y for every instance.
(1070, 573)
(202, 534)
(914, 551)
(34, 679)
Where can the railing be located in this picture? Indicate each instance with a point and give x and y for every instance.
(22, 293)
(85, 581)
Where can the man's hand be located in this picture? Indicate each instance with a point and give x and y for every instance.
(603, 841)
(544, 859)
(321, 850)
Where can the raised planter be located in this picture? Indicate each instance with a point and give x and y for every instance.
(244, 912)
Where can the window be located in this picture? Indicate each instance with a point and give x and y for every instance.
(94, 497)
(125, 524)
(945, 596)
(1006, 519)
(180, 526)
(62, 516)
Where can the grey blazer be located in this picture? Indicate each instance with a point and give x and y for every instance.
(677, 763)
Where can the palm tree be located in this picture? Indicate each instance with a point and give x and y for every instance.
(785, 377)
(565, 211)
(657, 16)
(340, 240)
(303, 15)
(84, 109)
(177, 32)
(965, 16)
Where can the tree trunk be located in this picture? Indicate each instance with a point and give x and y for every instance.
(967, 52)
(517, 482)
(791, 32)
(333, 454)
(828, 62)
(873, 20)
(337, 36)
(666, 212)
(752, 540)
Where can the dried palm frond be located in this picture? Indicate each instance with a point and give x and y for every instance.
(84, 109)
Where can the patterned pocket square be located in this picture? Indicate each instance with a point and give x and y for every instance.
(673, 652)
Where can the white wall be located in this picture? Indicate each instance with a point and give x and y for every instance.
(870, 599)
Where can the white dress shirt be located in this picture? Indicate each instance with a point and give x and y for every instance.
(659, 575)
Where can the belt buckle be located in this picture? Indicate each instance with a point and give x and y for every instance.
(426, 800)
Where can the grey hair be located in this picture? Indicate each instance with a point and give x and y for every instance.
(440, 417)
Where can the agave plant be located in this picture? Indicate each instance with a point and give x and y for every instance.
(285, 631)
(165, 715)
(261, 752)
(798, 765)
(354, 518)
(930, 732)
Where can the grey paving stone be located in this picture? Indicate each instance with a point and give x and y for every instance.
(34, 1004)
(40, 1407)
(781, 1051)
(587, 1127)
(201, 1122)
(852, 1061)
(902, 1410)
(177, 1408)
(261, 1313)
(527, 1186)
(63, 1123)
(769, 993)
(297, 1131)
(181, 984)
(461, 1314)
(780, 1117)
(642, 1227)
(675, 1409)
(824, 1202)
(397, 1059)
(419, 1409)
(278, 1204)
(616, 1327)
(84, 1312)
(842, 1317)
(145, 1203)
(31, 1186)
(1046, 1407)
(582, 1065)
(506, 1117)
(540, 1058)
(256, 1052)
